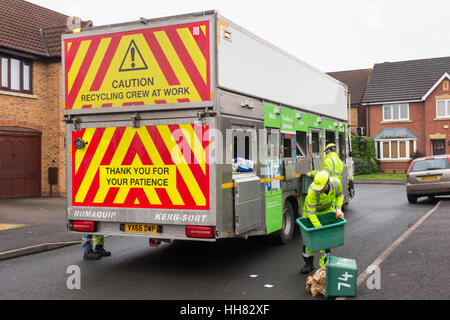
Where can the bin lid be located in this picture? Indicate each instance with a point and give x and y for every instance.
(342, 262)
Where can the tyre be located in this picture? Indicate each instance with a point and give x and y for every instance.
(284, 236)
(412, 199)
(351, 189)
(345, 206)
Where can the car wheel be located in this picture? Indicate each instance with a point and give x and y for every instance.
(412, 199)
(287, 227)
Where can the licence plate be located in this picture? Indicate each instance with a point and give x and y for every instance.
(145, 228)
(429, 178)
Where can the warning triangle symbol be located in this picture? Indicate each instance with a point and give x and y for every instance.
(133, 59)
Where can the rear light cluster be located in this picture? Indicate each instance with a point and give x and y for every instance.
(199, 232)
(410, 165)
(83, 226)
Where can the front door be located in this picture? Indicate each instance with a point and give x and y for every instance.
(438, 146)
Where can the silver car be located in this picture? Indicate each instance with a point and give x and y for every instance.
(428, 176)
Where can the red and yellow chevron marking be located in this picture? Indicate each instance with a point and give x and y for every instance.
(163, 166)
(148, 66)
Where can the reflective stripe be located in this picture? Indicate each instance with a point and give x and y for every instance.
(325, 206)
(316, 193)
(334, 166)
(335, 184)
(336, 187)
(310, 205)
(311, 212)
(328, 170)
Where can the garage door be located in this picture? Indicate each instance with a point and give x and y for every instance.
(20, 174)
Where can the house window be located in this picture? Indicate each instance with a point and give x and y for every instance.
(401, 149)
(15, 74)
(443, 108)
(396, 112)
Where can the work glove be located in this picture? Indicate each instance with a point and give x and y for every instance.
(308, 174)
(339, 213)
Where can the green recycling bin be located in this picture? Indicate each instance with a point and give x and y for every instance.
(341, 277)
(329, 235)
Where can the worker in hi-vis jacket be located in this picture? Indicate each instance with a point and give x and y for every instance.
(325, 194)
(331, 163)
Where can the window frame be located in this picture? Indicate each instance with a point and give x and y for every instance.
(447, 106)
(391, 105)
(379, 151)
(22, 62)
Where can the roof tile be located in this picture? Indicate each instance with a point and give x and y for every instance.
(20, 24)
(404, 80)
(356, 80)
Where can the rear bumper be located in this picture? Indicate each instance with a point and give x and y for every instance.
(425, 189)
(168, 232)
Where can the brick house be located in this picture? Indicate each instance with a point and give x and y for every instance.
(356, 81)
(408, 110)
(31, 127)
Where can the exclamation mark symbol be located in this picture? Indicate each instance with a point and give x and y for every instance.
(132, 57)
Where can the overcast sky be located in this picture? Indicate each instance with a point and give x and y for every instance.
(331, 35)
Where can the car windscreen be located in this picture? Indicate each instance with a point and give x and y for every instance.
(430, 164)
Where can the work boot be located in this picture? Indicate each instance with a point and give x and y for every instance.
(102, 252)
(309, 265)
(91, 255)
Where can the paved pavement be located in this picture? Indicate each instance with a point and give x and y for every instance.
(417, 268)
(43, 221)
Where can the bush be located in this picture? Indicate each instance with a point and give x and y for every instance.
(365, 162)
(374, 165)
(364, 166)
(369, 153)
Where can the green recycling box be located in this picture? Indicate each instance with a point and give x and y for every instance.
(341, 277)
(329, 235)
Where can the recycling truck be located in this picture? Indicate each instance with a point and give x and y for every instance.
(190, 127)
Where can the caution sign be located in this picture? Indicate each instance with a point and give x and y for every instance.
(133, 59)
(143, 67)
(164, 166)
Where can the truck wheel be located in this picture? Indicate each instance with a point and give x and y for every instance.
(287, 226)
(351, 189)
(345, 207)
